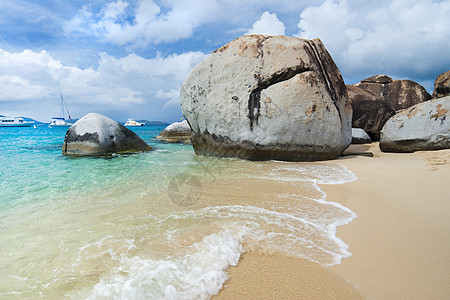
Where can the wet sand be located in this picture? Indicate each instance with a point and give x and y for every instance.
(400, 241)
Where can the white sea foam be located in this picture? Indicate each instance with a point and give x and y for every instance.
(199, 271)
(319, 173)
(198, 274)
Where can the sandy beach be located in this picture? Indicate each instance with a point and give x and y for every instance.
(400, 241)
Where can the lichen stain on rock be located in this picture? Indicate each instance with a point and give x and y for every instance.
(413, 111)
(440, 112)
(221, 49)
(310, 110)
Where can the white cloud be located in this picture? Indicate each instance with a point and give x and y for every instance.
(172, 96)
(141, 23)
(146, 22)
(399, 37)
(116, 84)
(80, 23)
(114, 10)
(268, 24)
(333, 22)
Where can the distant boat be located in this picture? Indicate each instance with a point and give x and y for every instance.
(13, 122)
(61, 121)
(132, 122)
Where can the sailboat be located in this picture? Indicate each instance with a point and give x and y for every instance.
(61, 121)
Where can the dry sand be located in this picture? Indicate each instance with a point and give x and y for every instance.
(400, 241)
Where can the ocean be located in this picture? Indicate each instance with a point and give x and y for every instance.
(163, 224)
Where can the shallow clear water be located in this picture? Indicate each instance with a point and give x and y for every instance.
(163, 224)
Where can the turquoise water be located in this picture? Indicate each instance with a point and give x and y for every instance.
(34, 170)
(163, 224)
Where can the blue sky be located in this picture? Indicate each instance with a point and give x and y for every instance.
(127, 59)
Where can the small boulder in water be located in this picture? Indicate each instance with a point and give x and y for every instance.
(95, 134)
(178, 132)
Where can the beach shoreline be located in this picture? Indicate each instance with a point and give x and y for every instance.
(399, 242)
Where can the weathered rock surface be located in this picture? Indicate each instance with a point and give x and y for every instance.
(178, 132)
(383, 79)
(261, 97)
(400, 94)
(95, 134)
(442, 85)
(425, 126)
(359, 136)
(369, 111)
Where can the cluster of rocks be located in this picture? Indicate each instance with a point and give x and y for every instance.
(423, 123)
(376, 99)
(97, 135)
(262, 97)
(276, 97)
(401, 113)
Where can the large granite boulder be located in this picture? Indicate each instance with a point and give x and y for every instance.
(425, 126)
(442, 85)
(400, 94)
(370, 112)
(261, 97)
(178, 132)
(95, 134)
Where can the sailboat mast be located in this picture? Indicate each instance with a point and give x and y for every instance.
(64, 105)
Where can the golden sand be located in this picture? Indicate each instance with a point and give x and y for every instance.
(400, 241)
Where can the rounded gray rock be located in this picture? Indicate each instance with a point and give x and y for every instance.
(178, 132)
(263, 97)
(95, 134)
(425, 126)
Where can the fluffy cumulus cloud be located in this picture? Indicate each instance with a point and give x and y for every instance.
(403, 38)
(140, 23)
(268, 24)
(132, 83)
(143, 22)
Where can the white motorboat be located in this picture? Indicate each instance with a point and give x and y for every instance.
(13, 122)
(132, 122)
(57, 121)
(61, 121)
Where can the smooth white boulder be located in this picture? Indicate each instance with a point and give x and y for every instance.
(95, 134)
